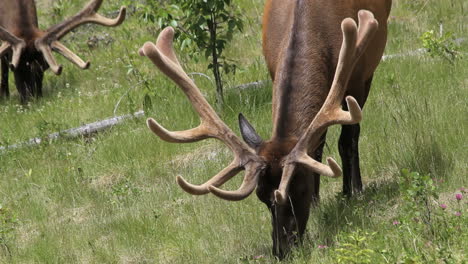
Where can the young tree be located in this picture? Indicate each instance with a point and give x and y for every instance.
(210, 25)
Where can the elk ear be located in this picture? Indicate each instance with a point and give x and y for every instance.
(249, 134)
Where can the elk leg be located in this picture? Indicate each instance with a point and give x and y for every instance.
(21, 81)
(349, 147)
(38, 83)
(4, 91)
(349, 152)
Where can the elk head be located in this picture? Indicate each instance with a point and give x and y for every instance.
(30, 49)
(279, 170)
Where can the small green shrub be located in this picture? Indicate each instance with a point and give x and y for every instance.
(443, 46)
(430, 223)
(354, 249)
(207, 25)
(419, 192)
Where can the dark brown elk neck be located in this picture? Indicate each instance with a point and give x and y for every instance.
(19, 17)
(305, 72)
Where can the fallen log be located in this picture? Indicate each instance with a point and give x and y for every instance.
(81, 131)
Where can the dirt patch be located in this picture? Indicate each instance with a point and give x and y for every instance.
(27, 234)
(106, 181)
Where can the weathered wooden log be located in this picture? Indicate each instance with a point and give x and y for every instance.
(81, 131)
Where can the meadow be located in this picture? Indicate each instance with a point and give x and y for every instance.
(112, 197)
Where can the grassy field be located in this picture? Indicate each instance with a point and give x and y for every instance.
(112, 197)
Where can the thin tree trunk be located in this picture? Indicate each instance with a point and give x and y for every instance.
(214, 54)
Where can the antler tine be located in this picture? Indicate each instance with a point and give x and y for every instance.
(87, 15)
(354, 43)
(68, 54)
(333, 170)
(50, 40)
(252, 174)
(49, 57)
(62, 50)
(11, 42)
(218, 180)
(163, 56)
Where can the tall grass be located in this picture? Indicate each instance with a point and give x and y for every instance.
(112, 197)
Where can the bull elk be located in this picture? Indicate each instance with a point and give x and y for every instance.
(322, 75)
(28, 49)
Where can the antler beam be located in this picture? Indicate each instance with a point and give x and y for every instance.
(163, 56)
(50, 41)
(11, 42)
(355, 41)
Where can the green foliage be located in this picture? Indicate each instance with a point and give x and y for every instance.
(140, 79)
(7, 226)
(59, 7)
(419, 193)
(208, 25)
(160, 13)
(432, 223)
(440, 46)
(354, 249)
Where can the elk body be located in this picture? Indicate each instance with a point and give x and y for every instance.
(27, 50)
(322, 64)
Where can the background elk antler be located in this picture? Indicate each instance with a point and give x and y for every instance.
(50, 40)
(354, 43)
(10, 41)
(163, 56)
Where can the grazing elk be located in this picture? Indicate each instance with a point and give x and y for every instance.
(322, 74)
(28, 49)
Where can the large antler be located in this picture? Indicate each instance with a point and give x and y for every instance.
(50, 41)
(354, 43)
(163, 56)
(10, 41)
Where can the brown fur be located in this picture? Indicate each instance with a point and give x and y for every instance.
(301, 44)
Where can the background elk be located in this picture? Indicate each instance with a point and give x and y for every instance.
(322, 75)
(28, 50)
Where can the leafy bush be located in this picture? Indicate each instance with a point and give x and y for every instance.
(355, 250)
(443, 46)
(419, 193)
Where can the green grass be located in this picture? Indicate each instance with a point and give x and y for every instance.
(112, 197)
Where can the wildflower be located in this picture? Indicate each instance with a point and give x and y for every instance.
(322, 246)
(458, 196)
(443, 206)
(457, 213)
(396, 222)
